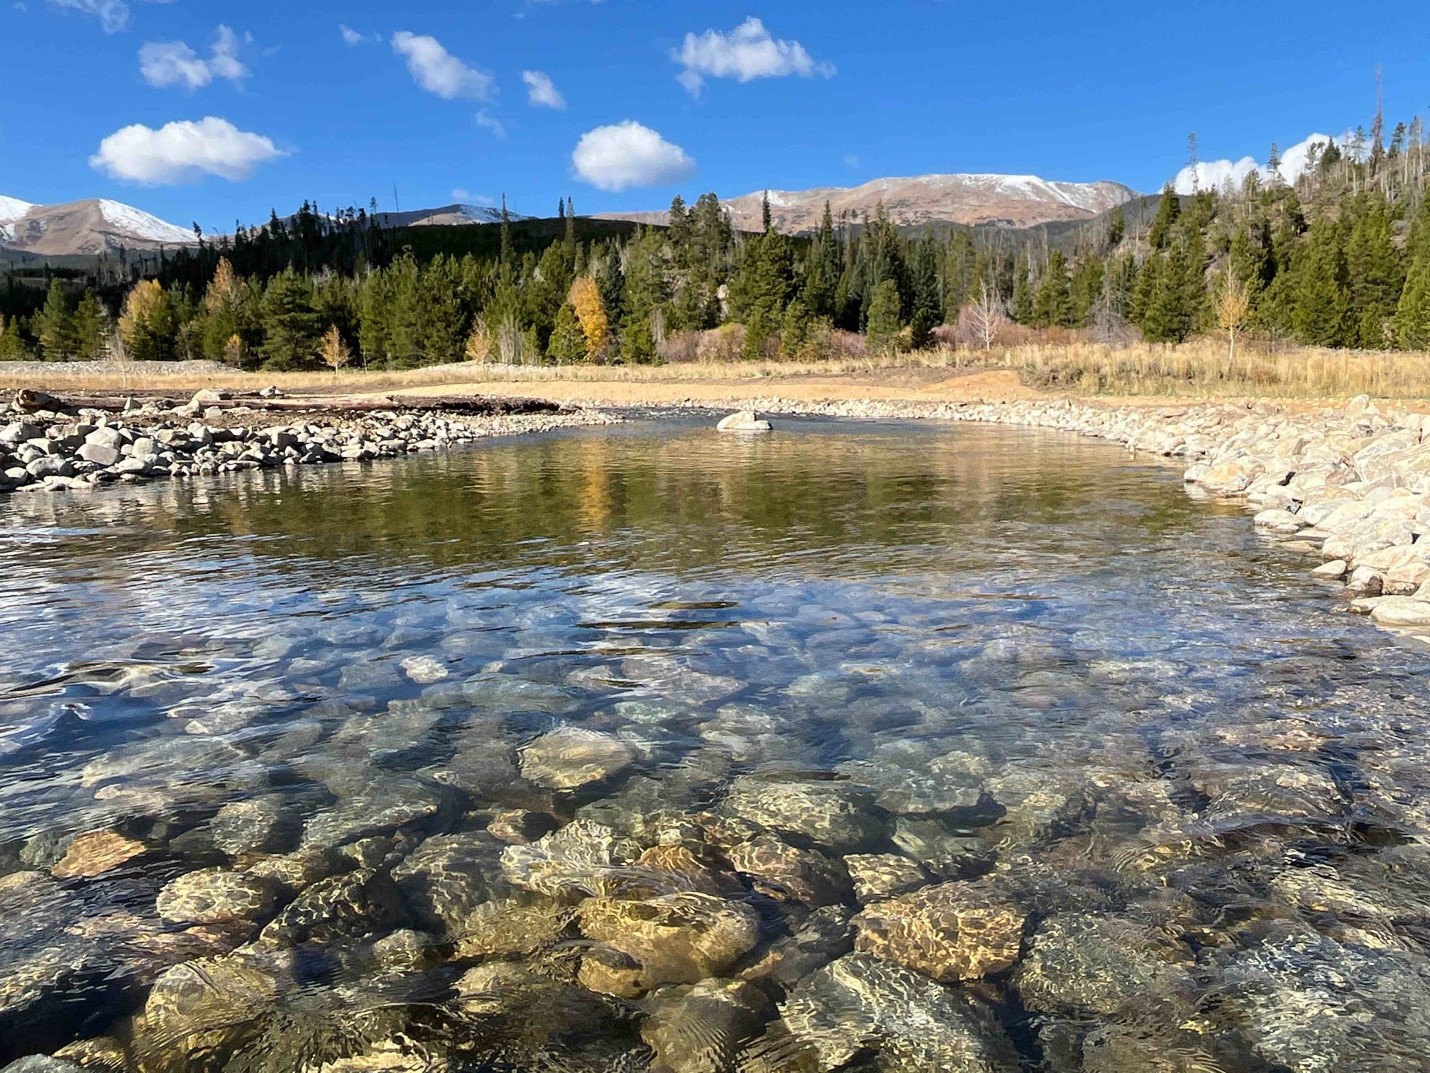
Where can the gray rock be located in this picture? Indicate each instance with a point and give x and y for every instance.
(448, 877)
(217, 896)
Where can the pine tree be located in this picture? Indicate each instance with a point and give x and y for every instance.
(568, 341)
(1169, 210)
(766, 220)
(884, 321)
(1053, 306)
(1116, 227)
(1321, 311)
(927, 291)
(52, 327)
(1022, 297)
(1412, 313)
(89, 328)
(147, 324)
(290, 324)
(1375, 273)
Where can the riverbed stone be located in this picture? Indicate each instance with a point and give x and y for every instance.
(791, 873)
(448, 876)
(838, 816)
(702, 1028)
(571, 757)
(1082, 963)
(883, 875)
(1401, 612)
(339, 909)
(216, 896)
(96, 853)
(580, 859)
(207, 1006)
(860, 1004)
(675, 938)
(951, 931)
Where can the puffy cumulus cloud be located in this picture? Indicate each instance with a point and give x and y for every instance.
(436, 70)
(541, 91)
(174, 63)
(745, 53)
(626, 155)
(1217, 174)
(182, 152)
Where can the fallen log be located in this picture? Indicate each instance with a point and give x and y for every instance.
(31, 400)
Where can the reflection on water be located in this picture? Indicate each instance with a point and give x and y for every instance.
(865, 747)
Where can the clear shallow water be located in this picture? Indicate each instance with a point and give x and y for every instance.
(1022, 661)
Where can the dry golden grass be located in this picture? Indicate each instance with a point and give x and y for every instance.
(1198, 369)
(1201, 369)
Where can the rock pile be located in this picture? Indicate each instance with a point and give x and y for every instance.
(50, 451)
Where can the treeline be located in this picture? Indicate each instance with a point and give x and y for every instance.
(1339, 259)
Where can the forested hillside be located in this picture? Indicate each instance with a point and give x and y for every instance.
(1340, 259)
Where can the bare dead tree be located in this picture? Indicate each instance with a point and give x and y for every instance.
(987, 315)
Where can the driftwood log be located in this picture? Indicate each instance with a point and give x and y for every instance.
(31, 400)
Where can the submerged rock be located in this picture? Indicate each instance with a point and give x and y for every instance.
(1085, 963)
(953, 931)
(571, 757)
(448, 876)
(862, 1004)
(676, 938)
(580, 859)
(702, 1029)
(835, 815)
(97, 852)
(342, 908)
(217, 896)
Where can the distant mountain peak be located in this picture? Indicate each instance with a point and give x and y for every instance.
(1014, 200)
(85, 228)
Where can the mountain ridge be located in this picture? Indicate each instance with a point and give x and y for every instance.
(952, 198)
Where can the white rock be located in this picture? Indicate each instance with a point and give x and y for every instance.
(744, 421)
(1401, 611)
(1335, 570)
(424, 670)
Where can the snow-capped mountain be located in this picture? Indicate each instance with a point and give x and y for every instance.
(88, 227)
(446, 216)
(1014, 200)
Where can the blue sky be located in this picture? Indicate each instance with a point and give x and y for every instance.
(219, 112)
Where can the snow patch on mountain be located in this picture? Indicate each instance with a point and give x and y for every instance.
(12, 208)
(137, 224)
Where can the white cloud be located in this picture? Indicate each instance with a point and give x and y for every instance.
(1216, 174)
(352, 38)
(851, 160)
(745, 53)
(487, 121)
(541, 91)
(174, 63)
(437, 71)
(113, 15)
(182, 152)
(628, 154)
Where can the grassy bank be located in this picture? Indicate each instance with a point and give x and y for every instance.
(1199, 369)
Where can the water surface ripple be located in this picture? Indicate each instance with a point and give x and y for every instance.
(873, 747)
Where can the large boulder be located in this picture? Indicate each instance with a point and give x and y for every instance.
(701, 1029)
